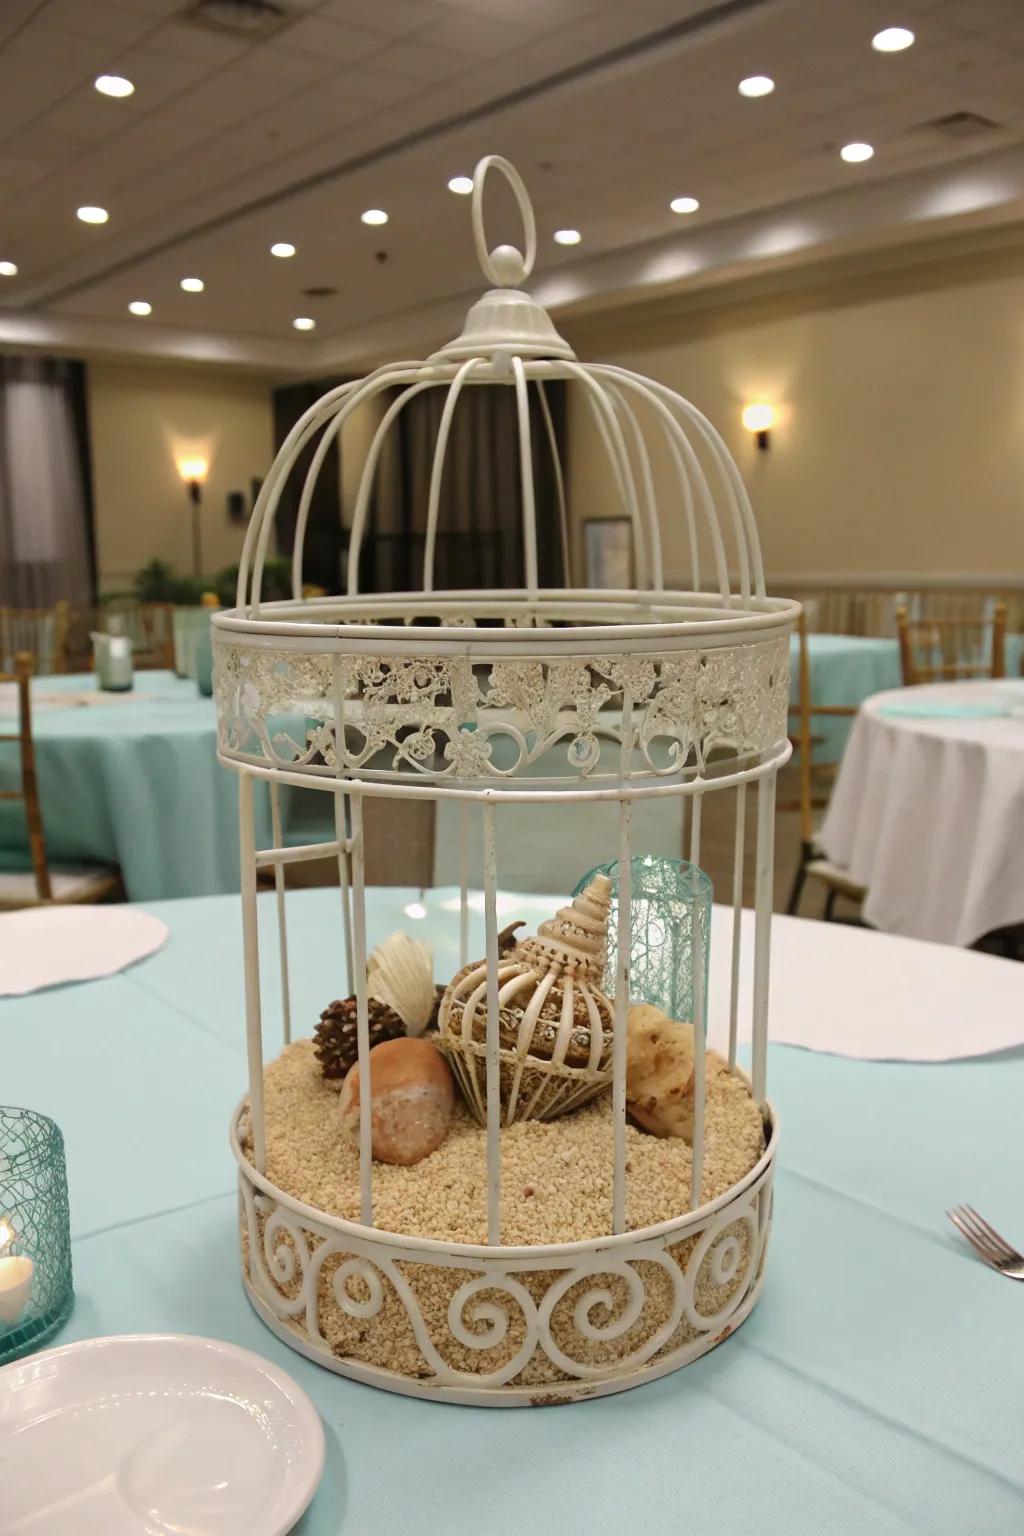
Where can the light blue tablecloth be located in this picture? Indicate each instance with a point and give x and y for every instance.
(134, 781)
(875, 1390)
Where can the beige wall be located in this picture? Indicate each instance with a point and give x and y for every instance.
(141, 418)
(900, 445)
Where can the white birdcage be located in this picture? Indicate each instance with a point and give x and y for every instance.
(489, 699)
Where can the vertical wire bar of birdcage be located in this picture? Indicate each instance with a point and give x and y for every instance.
(251, 954)
(623, 958)
(556, 467)
(762, 930)
(526, 478)
(696, 804)
(463, 814)
(493, 1038)
(699, 1017)
(737, 917)
(362, 1010)
(623, 944)
(341, 831)
(636, 435)
(437, 468)
(282, 922)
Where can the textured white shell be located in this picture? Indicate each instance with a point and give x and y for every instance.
(568, 952)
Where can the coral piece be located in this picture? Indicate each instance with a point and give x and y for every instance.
(335, 1035)
(555, 1025)
(400, 973)
(660, 1072)
(412, 1096)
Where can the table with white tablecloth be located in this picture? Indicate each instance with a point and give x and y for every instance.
(928, 810)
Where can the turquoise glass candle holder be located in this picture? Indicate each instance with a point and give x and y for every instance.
(36, 1293)
(670, 934)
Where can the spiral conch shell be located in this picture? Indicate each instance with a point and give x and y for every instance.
(555, 1024)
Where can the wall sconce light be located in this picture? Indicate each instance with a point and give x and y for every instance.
(759, 418)
(193, 472)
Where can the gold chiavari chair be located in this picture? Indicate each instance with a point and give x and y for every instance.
(43, 884)
(814, 776)
(950, 649)
(41, 633)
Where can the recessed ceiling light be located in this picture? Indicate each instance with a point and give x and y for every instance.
(684, 205)
(193, 284)
(567, 237)
(304, 323)
(463, 185)
(282, 248)
(374, 216)
(90, 215)
(853, 154)
(113, 85)
(756, 85)
(8, 269)
(140, 307)
(892, 39)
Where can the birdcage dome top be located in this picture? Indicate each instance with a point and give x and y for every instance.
(424, 654)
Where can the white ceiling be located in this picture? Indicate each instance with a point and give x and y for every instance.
(609, 109)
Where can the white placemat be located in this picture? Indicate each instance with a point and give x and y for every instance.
(48, 946)
(852, 992)
(834, 988)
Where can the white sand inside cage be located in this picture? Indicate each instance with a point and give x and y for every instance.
(556, 1187)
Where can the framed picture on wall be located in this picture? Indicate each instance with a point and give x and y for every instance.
(608, 552)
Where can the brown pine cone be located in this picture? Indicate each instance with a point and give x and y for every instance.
(335, 1035)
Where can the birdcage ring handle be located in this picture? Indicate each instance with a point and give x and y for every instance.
(506, 266)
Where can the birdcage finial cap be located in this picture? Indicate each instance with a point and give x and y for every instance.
(505, 319)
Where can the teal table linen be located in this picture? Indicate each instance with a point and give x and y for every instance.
(845, 670)
(874, 1391)
(134, 781)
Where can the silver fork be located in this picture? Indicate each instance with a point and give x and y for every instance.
(986, 1242)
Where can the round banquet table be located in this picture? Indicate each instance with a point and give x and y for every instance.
(928, 809)
(874, 1389)
(132, 779)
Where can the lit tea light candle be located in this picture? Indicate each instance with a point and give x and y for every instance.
(15, 1278)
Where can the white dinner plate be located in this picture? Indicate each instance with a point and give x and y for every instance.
(154, 1435)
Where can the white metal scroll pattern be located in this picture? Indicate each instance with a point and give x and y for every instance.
(287, 1255)
(449, 719)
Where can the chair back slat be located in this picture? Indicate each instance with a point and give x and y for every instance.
(41, 633)
(21, 677)
(952, 646)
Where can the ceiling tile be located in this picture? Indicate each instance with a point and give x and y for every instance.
(422, 61)
(335, 40)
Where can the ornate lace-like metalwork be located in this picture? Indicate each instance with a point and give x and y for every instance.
(448, 718)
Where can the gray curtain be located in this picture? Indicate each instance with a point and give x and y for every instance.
(480, 523)
(45, 513)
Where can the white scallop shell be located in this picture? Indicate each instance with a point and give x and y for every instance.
(400, 973)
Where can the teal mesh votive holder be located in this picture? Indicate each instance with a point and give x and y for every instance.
(35, 1234)
(670, 934)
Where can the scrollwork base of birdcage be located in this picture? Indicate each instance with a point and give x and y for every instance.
(501, 1326)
